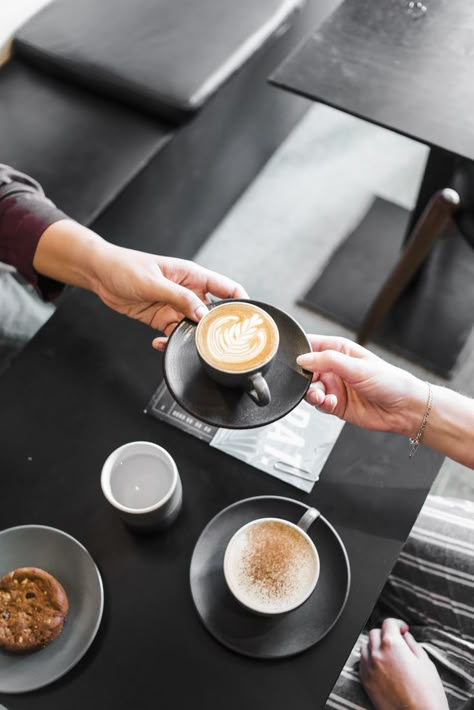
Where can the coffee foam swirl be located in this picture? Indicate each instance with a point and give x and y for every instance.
(237, 337)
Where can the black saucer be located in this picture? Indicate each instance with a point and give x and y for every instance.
(221, 406)
(260, 636)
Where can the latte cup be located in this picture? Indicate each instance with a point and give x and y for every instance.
(141, 481)
(236, 343)
(271, 565)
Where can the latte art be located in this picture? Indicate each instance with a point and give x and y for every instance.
(233, 338)
(237, 337)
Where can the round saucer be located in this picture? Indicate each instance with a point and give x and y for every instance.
(260, 636)
(232, 408)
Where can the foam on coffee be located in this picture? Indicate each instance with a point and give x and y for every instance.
(271, 567)
(236, 337)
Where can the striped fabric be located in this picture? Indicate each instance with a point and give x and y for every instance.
(432, 588)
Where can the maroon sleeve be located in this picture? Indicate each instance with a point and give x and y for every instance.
(25, 213)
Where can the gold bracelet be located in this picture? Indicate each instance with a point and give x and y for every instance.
(416, 441)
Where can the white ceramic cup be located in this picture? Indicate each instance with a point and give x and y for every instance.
(141, 481)
(265, 581)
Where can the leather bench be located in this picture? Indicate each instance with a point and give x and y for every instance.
(147, 120)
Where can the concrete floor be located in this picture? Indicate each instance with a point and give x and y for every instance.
(279, 235)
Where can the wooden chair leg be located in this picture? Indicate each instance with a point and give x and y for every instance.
(429, 227)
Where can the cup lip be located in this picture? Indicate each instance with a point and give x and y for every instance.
(107, 470)
(257, 609)
(251, 369)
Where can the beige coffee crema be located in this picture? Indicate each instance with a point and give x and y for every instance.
(271, 567)
(237, 337)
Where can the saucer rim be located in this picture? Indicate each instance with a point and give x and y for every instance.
(236, 649)
(187, 321)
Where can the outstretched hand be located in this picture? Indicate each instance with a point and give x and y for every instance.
(359, 387)
(159, 291)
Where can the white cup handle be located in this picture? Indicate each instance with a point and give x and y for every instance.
(308, 518)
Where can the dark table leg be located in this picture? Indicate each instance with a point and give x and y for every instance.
(433, 317)
(439, 169)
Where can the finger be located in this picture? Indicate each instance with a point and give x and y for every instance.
(165, 316)
(223, 286)
(364, 652)
(329, 405)
(315, 375)
(364, 662)
(159, 343)
(325, 403)
(170, 327)
(392, 630)
(183, 300)
(414, 646)
(316, 394)
(198, 278)
(391, 624)
(351, 369)
(319, 343)
(374, 644)
(315, 398)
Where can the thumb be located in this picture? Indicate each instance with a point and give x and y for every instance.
(184, 300)
(346, 367)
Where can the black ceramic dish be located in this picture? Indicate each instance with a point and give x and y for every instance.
(259, 636)
(222, 406)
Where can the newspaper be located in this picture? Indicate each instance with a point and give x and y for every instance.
(293, 449)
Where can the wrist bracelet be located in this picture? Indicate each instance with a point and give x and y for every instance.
(416, 441)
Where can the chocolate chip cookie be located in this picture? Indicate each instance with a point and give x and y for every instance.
(33, 609)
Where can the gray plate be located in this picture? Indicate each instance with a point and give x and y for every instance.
(64, 557)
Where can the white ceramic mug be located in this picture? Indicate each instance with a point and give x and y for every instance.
(271, 565)
(141, 481)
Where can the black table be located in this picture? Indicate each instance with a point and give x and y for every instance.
(411, 71)
(75, 393)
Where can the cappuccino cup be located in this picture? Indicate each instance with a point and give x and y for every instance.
(271, 566)
(236, 343)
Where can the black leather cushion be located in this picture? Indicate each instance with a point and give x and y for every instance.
(164, 56)
(83, 149)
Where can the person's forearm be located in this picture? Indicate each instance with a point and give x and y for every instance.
(450, 425)
(69, 252)
(25, 214)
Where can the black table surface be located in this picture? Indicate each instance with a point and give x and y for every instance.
(376, 60)
(76, 392)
